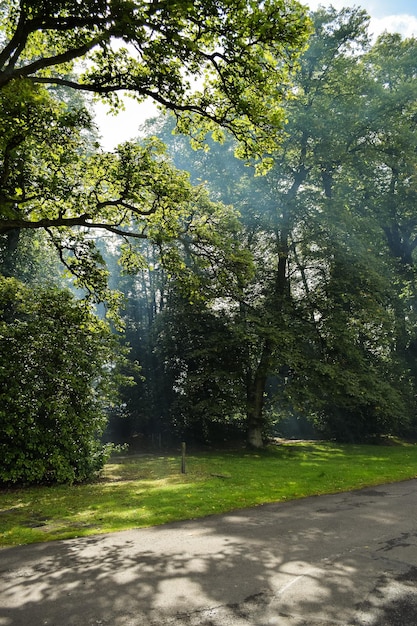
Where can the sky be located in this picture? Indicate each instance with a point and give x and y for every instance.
(390, 15)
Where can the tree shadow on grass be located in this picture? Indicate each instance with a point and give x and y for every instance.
(346, 559)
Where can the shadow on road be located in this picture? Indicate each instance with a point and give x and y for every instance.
(346, 559)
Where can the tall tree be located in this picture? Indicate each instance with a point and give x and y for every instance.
(318, 312)
(203, 264)
(387, 174)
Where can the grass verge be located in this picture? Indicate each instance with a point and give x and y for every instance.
(141, 491)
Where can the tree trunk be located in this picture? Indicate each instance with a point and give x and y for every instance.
(12, 241)
(254, 437)
(280, 292)
(255, 419)
(255, 399)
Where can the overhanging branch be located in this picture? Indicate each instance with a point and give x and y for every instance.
(69, 222)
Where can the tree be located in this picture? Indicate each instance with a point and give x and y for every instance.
(326, 311)
(316, 319)
(203, 263)
(213, 64)
(338, 282)
(200, 357)
(389, 148)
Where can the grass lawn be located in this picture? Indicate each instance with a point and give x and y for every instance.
(140, 491)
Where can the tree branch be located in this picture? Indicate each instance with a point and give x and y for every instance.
(128, 206)
(8, 225)
(27, 70)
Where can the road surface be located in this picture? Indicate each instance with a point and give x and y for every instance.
(348, 559)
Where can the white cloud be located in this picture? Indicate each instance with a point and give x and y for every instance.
(406, 25)
(402, 23)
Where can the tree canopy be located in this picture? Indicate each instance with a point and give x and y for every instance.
(215, 65)
(237, 54)
(325, 322)
(246, 298)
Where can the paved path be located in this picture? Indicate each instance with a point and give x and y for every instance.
(348, 559)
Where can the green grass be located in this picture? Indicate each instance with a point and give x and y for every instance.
(148, 490)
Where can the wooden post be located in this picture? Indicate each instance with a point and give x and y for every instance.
(183, 457)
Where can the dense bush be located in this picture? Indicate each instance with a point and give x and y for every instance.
(55, 377)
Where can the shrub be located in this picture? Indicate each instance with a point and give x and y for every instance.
(55, 379)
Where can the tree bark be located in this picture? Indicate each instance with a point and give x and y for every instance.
(12, 241)
(256, 399)
(255, 420)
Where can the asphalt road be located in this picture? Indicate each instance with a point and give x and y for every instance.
(347, 559)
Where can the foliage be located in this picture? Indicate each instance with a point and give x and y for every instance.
(214, 64)
(200, 357)
(315, 317)
(148, 490)
(56, 373)
(169, 292)
(53, 181)
(220, 62)
(31, 259)
(283, 294)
